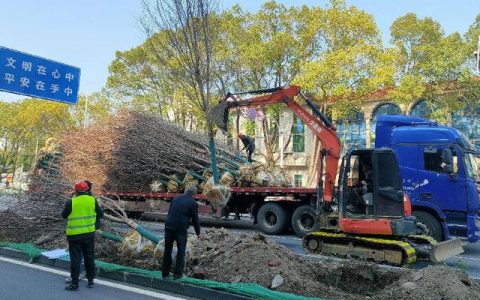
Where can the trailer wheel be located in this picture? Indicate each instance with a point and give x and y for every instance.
(428, 225)
(272, 218)
(303, 220)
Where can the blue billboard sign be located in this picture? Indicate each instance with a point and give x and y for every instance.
(30, 75)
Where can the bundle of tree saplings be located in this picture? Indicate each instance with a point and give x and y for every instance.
(139, 152)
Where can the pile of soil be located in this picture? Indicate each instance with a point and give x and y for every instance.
(222, 256)
(433, 282)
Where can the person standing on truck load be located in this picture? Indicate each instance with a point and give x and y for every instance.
(81, 213)
(182, 209)
(248, 143)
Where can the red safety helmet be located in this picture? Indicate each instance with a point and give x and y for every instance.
(81, 186)
(240, 135)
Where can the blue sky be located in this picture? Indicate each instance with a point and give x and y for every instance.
(87, 33)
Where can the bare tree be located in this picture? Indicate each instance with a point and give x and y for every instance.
(189, 48)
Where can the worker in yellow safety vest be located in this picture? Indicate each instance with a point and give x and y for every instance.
(81, 213)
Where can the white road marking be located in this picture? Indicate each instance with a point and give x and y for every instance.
(286, 237)
(469, 258)
(97, 281)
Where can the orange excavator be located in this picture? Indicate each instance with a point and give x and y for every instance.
(367, 216)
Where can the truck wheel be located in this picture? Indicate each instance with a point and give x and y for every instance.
(303, 220)
(428, 225)
(272, 218)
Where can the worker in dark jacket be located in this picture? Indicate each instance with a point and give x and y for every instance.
(248, 145)
(182, 209)
(81, 213)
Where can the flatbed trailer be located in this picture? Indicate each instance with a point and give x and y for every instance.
(272, 209)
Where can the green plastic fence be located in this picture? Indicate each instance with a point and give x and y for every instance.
(247, 289)
(33, 252)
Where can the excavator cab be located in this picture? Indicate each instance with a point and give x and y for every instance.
(371, 185)
(371, 199)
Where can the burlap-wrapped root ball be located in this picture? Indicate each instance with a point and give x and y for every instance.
(263, 178)
(134, 244)
(173, 185)
(227, 179)
(157, 187)
(189, 180)
(217, 195)
(247, 175)
(160, 247)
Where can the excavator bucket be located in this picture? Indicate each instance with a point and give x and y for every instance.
(446, 249)
(219, 115)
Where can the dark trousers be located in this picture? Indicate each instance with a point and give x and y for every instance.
(77, 248)
(181, 239)
(249, 153)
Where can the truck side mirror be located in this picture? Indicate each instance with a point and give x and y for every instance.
(447, 157)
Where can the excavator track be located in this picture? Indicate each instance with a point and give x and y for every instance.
(393, 252)
(422, 245)
(424, 239)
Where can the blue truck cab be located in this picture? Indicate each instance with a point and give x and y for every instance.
(439, 172)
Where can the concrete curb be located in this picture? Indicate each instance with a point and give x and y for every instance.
(183, 289)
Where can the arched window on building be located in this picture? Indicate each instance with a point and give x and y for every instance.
(351, 131)
(421, 110)
(383, 109)
(468, 122)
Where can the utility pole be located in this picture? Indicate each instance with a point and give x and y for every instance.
(281, 142)
(477, 54)
(85, 113)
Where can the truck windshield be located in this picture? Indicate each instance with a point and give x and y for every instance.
(471, 166)
(464, 142)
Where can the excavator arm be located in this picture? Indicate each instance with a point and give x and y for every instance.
(317, 122)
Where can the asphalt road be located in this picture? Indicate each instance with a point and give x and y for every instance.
(21, 280)
(468, 261)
